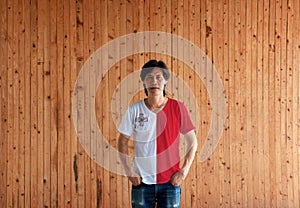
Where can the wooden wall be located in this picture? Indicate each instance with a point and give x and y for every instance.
(255, 46)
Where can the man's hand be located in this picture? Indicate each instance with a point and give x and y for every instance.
(178, 178)
(192, 145)
(135, 179)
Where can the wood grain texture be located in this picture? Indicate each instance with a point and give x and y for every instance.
(254, 46)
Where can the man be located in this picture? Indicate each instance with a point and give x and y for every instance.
(155, 124)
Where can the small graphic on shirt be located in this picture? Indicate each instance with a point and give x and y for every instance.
(141, 119)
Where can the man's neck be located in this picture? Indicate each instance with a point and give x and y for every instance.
(156, 101)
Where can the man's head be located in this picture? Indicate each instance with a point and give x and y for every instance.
(154, 75)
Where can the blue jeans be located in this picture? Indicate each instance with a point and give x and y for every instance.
(165, 195)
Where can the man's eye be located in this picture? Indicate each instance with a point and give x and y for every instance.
(159, 77)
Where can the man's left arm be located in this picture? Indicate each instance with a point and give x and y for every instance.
(192, 145)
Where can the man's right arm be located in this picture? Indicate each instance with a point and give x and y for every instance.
(124, 157)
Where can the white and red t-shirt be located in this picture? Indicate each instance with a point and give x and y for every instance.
(156, 139)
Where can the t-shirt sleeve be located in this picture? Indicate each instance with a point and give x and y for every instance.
(127, 125)
(186, 123)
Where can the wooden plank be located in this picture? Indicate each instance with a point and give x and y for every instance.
(174, 62)
(152, 18)
(283, 103)
(277, 101)
(271, 107)
(92, 77)
(9, 108)
(217, 53)
(79, 162)
(118, 28)
(130, 14)
(3, 103)
(66, 75)
(145, 24)
(53, 104)
(60, 104)
(105, 98)
(40, 101)
(265, 105)
(180, 75)
(254, 104)
(33, 107)
(225, 179)
(289, 104)
(231, 99)
(124, 26)
(86, 121)
(73, 77)
(46, 106)
(21, 111)
(242, 105)
(15, 108)
(237, 181)
(184, 96)
(260, 124)
(296, 102)
(193, 114)
(197, 93)
(248, 68)
(27, 49)
(203, 111)
(100, 32)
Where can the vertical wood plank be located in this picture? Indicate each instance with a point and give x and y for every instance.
(260, 124)
(203, 109)
(73, 78)
(225, 190)
(271, 108)
(131, 13)
(102, 33)
(180, 74)
(53, 101)
(289, 105)
(60, 105)
(92, 43)
(277, 102)
(105, 103)
(46, 106)
(248, 69)
(40, 100)
(265, 105)
(283, 103)
(296, 102)
(231, 98)
(21, 111)
(67, 103)
(9, 103)
(16, 102)
(27, 49)
(191, 82)
(3, 104)
(184, 96)
(198, 91)
(33, 106)
(254, 104)
(86, 121)
(242, 105)
(79, 162)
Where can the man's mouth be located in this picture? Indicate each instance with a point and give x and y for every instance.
(154, 88)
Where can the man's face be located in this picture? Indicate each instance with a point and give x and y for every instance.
(155, 81)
